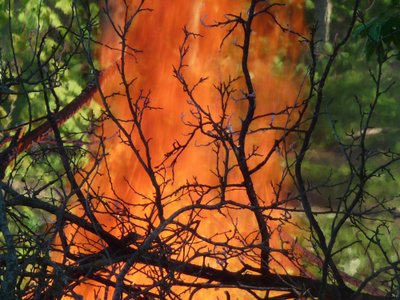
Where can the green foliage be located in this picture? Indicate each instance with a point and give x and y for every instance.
(351, 85)
(381, 34)
(365, 242)
(43, 59)
(40, 36)
(43, 62)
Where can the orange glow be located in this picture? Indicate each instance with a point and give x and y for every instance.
(158, 34)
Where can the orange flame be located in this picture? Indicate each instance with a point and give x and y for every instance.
(158, 34)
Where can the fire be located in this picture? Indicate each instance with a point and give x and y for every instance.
(158, 34)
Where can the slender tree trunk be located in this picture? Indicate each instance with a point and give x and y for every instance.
(323, 10)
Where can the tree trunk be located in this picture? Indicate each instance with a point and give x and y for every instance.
(323, 9)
